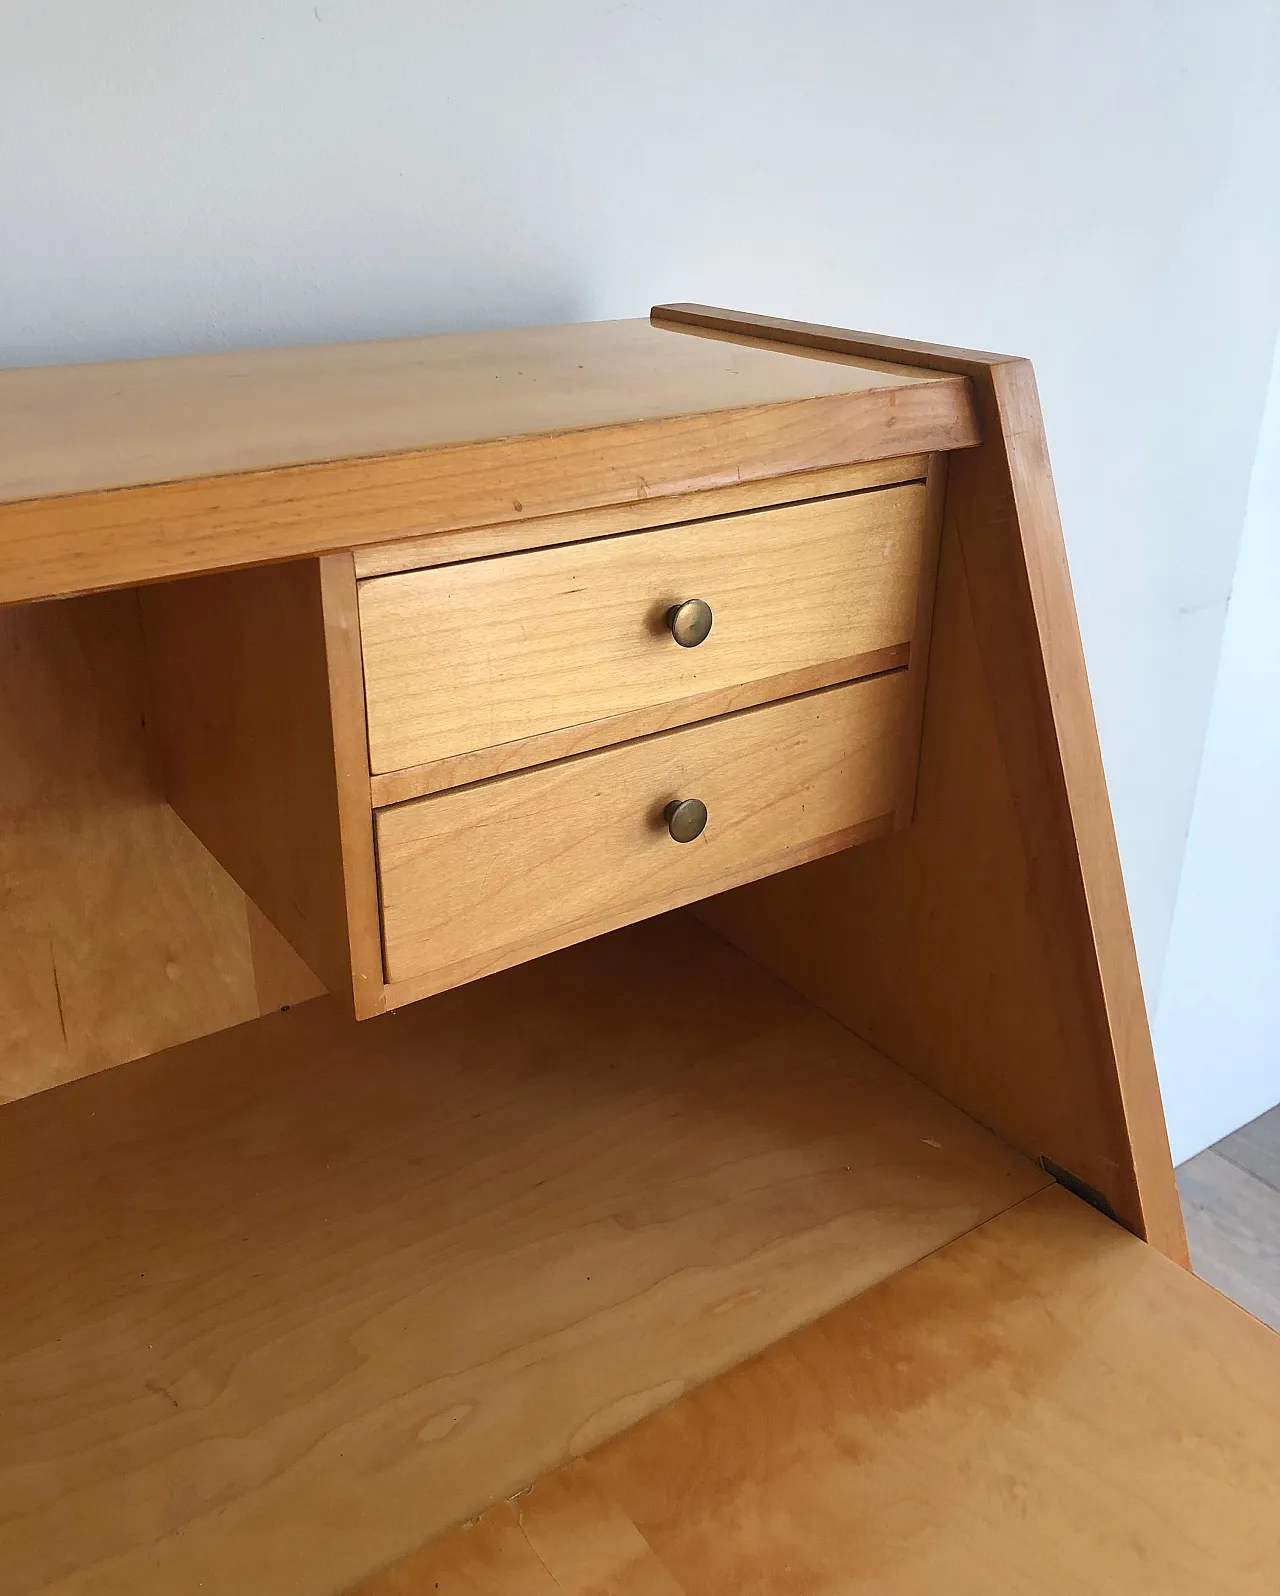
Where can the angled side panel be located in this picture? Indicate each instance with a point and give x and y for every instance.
(987, 947)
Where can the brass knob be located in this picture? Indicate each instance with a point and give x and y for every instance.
(689, 622)
(686, 818)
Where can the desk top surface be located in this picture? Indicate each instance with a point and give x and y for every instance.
(77, 429)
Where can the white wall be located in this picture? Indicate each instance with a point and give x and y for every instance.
(1218, 1020)
(1089, 182)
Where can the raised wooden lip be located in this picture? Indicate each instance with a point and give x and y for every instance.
(710, 320)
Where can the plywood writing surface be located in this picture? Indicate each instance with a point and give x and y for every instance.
(284, 1301)
(1043, 1406)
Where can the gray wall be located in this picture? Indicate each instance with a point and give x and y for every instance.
(1088, 182)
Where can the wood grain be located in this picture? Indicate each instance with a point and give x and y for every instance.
(280, 977)
(930, 943)
(473, 879)
(241, 691)
(284, 1302)
(559, 445)
(483, 653)
(1001, 966)
(575, 526)
(416, 781)
(935, 501)
(565, 1537)
(75, 429)
(1046, 1397)
(1043, 1406)
(119, 934)
(345, 681)
(746, 328)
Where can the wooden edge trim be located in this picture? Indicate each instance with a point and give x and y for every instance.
(122, 537)
(833, 340)
(1066, 710)
(351, 771)
(1062, 784)
(935, 496)
(411, 988)
(481, 764)
(643, 515)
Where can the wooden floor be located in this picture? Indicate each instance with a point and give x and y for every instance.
(1231, 1203)
(1043, 1407)
(283, 1302)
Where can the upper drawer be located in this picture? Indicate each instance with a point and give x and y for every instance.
(467, 656)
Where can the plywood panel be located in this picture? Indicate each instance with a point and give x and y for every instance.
(1047, 1404)
(118, 933)
(1043, 1406)
(284, 1302)
(944, 912)
(280, 977)
(565, 1537)
(247, 730)
(989, 947)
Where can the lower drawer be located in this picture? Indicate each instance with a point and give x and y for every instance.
(479, 877)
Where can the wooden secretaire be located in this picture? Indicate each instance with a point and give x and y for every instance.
(568, 1020)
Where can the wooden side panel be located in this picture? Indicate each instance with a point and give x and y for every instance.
(989, 947)
(929, 943)
(240, 680)
(119, 934)
(280, 977)
(1043, 1406)
(345, 667)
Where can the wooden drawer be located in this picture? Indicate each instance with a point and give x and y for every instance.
(468, 656)
(479, 877)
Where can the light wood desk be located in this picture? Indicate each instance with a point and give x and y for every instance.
(561, 924)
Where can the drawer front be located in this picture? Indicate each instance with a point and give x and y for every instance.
(469, 656)
(481, 877)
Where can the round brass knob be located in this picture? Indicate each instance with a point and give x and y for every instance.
(689, 622)
(686, 818)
